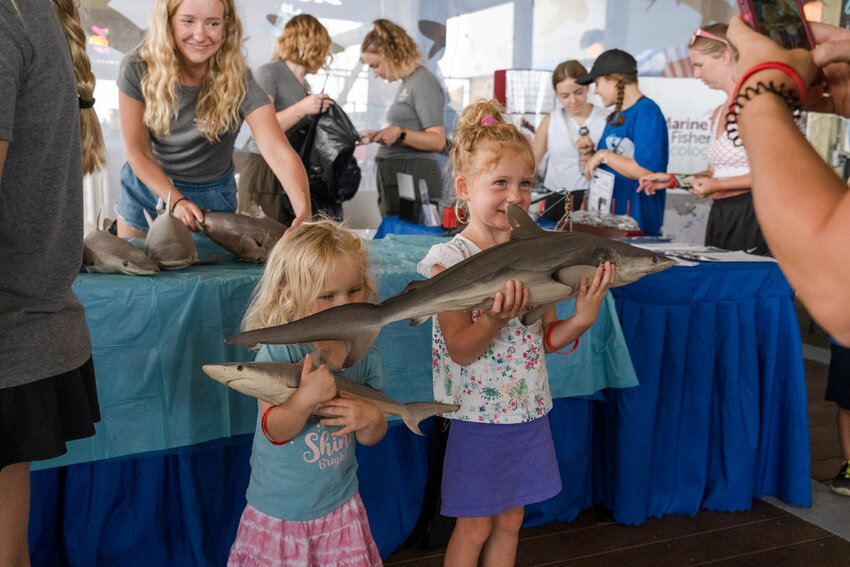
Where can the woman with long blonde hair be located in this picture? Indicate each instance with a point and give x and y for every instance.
(49, 137)
(416, 132)
(183, 95)
(303, 48)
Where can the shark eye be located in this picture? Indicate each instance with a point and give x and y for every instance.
(239, 368)
(654, 260)
(125, 263)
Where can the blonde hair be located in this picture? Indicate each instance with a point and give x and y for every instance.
(303, 41)
(476, 146)
(91, 137)
(223, 88)
(391, 42)
(712, 47)
(296, 269)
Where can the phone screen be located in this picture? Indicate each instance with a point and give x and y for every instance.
(782, 21)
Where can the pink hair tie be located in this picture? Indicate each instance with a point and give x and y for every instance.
(488, 121)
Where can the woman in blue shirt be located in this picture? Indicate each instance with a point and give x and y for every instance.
(634, 142)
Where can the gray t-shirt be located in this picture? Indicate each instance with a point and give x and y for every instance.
(185, 155)
(278, 81)
(418, 105)
(43, 329)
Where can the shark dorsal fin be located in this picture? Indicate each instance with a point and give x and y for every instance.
(254, 210)
(415, 284)
(521, 224)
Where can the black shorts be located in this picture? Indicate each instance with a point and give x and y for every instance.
(838, 382)
(36, 419)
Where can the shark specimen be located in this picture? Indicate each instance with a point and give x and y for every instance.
(249, 235)
(105, 253)
(550, 264)
(275, 382)
(169, 243)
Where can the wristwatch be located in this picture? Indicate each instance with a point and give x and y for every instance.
(401, 136)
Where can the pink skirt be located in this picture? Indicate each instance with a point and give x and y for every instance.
(342, 537)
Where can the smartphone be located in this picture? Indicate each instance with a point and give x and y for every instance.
(783, 21)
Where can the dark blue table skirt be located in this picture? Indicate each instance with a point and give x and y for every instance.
(183, 507)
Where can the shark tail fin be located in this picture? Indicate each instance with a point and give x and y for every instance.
(414, 412)
(359, 345)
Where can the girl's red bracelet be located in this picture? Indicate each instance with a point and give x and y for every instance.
(549, 342)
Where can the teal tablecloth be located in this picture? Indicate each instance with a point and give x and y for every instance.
(152, 334)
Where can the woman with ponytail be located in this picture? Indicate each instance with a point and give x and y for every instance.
(183, 95)
(634, 142)
(415, 133)
(49, 137)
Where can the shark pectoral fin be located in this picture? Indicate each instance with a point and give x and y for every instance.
(535, 313)
(148, 217)
(414, 412)
(359, 346)
(521, 224)
(419, 320)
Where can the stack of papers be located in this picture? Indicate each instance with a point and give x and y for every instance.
(690, 255)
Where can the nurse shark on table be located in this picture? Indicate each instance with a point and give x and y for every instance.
(550, 264)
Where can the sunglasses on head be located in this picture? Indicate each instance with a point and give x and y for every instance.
(707, 35)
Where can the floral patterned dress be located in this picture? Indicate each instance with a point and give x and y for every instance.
(508, 383)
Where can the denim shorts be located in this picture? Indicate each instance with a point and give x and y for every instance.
(218, 196)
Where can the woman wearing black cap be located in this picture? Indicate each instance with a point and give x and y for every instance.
(634, 142)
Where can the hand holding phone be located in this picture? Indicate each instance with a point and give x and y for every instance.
(783, 21)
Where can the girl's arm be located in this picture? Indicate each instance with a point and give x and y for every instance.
(541, 142)
(282, 160)
(628, 167)
(365, 420)
(466, 339)
(432, 139)
(137, 144)
(590, 297)
(4, 146)
(286, 420)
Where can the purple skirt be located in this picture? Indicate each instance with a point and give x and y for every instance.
(490, 469)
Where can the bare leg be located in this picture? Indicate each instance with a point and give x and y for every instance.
(467, 540)
(500, 548)
(844, 432)
(14, 515)
(127, 231)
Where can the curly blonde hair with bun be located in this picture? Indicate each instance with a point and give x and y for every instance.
(390, 41)
(303, 41)
(223, 88)
(296, 268)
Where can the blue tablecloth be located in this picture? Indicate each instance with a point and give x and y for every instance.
(394, 225)
(716, 349)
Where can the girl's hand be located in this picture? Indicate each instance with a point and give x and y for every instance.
(512, 303)
(591, 294)
(702, 187)
(317, 386)
(653, 182)
(832, 56)
(188, 213)
(314, 104)
(593, 162)
(353, 414)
